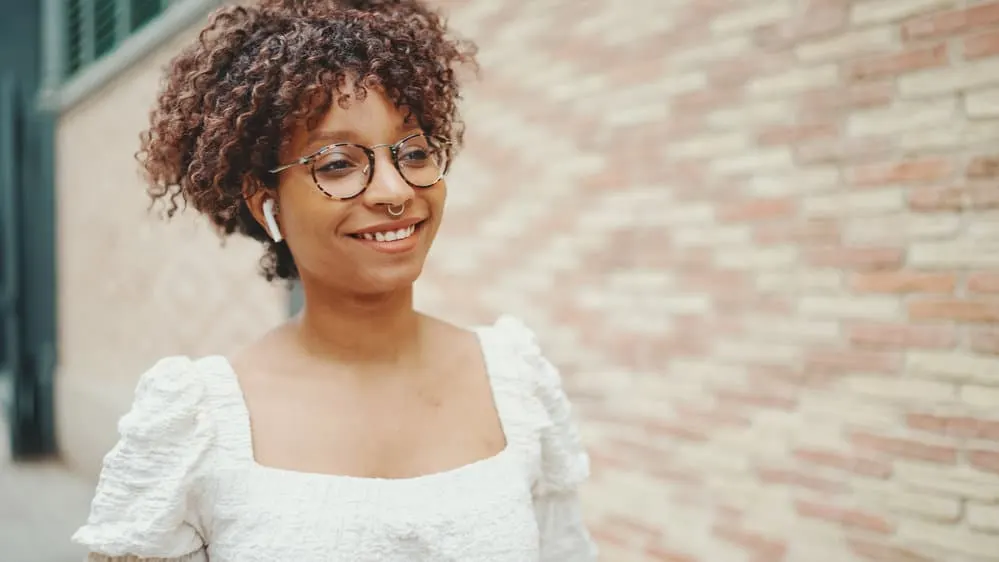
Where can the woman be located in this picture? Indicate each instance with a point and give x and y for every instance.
(324, 129)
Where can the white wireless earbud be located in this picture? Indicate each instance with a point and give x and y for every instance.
(272, 225)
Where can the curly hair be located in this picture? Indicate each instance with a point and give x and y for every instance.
(231, 99)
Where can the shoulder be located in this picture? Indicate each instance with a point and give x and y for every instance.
(143, 492)
(170, 404)
(511, 340)
(565, 463)
(173, 381)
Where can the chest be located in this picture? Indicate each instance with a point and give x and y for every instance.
(402, 428)
(478, 513)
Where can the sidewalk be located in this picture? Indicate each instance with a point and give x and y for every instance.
(41, 504)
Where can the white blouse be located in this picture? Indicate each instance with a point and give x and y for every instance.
(182, 485)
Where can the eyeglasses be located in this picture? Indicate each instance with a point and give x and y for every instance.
(344, 170)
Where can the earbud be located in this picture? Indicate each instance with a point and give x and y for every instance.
(272, 226)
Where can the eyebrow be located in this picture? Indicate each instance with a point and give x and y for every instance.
(347, 135)
(332, 137)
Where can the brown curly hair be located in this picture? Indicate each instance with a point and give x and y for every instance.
(257, 71)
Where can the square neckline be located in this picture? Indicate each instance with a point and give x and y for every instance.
(247, 453)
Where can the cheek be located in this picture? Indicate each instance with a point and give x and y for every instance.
(309, 217)
(437, 196)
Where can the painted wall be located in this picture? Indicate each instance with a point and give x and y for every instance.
(133, 288)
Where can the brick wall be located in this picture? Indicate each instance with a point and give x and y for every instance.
(761, 237)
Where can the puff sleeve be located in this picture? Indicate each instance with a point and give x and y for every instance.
(564, 461)
(144, 507)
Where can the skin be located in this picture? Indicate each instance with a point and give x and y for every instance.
(359, 383)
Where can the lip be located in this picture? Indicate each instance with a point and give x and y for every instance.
(395, 246)
(387, 226)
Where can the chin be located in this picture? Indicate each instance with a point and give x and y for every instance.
(391, 279)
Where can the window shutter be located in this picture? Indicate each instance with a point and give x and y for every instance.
(94, 28)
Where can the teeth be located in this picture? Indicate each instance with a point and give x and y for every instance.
(391, 235)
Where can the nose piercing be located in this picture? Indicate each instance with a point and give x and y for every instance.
(396, 211)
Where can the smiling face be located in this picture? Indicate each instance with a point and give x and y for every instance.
(357, 245)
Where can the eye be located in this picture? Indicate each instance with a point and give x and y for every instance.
(339, 163)
(335, 166)
(415, 156)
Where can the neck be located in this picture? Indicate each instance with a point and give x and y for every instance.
(374, 329)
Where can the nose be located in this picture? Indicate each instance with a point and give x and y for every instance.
(387, 185)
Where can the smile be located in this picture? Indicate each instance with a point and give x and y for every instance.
(387, 236)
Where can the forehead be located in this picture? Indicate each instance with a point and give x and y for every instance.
(368, 117)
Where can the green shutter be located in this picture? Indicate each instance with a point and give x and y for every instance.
(94, 28)
(143, 11)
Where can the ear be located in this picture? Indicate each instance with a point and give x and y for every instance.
(270, 219)
(262, 203)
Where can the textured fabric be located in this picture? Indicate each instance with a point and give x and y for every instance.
(181, 485)
(199, 556)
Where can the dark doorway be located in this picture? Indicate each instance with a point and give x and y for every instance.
(27, 236)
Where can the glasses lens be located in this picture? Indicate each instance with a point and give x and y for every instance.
(422, 160)
(343, 171)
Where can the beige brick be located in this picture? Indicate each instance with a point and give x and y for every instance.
(901, 117)
(614, 211)
(727, 463)
(757, 258)
(954, 366)
(900, 228)
(708, 370)
(624, 319)
(579, 91)
(949, 255)
(950, 80)
(700, 53)
(986, 397)
(901, 389)
(689, 81)
(711, 236)
(830, 549)
(755, 161)
(849, 44)
(750, 17)
(641, 280)
(953, 539)
(801, 280)
(691, 213)
(960, 481)
(883, 11)
(795, 81)
(624, 115)
(982, 103)
(982, 517)
(618, 27)
(985, 229)
(750, 115)
(757, 352)
(872, 308)
(839, 408)
(682, 304)
(875, 202)
(957, 133)
(793, 329)
(795, 182)
(923, 506)
(710, 145)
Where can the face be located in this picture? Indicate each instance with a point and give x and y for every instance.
(357, 245)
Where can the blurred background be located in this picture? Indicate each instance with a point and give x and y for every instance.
(760, 238)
